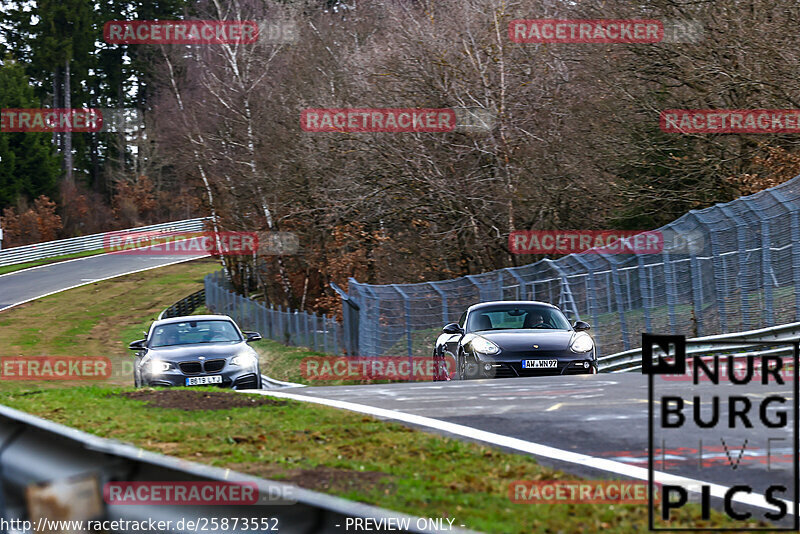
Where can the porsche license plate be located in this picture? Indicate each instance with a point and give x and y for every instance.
(539, 364)
(203, 380)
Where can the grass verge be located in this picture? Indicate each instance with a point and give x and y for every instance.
(345, 454)
(98, 319)
(341, 453)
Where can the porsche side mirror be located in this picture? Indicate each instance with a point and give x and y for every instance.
(452, 328)
(137, 345)
(252, 336)
(581, 326)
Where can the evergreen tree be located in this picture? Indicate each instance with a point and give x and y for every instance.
(29, 164)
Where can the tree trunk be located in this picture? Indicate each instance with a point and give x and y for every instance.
(67, 135)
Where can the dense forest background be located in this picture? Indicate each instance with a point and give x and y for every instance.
(575, 142)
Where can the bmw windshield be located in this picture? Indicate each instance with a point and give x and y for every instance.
(191, 332)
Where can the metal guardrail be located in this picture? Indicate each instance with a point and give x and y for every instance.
(185, 306)
(751, 343)
(50, 249)
(37, 456)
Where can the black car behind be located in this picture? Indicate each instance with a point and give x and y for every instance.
(516, 338)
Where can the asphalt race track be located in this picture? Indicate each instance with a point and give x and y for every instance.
(604, 416)
(29, 284)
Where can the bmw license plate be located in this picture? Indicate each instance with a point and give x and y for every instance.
(539, 364)
(203, 380)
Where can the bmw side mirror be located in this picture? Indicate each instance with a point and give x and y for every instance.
(252, 336)
(137, 345)
(581, 326)
(452, 328)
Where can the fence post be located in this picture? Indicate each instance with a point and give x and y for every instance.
(324, 333)
(766, 274)
(795, 233)
(671, 290)
(443, 296)
(297, 327)
(646, 303)
(279, 326)
(477, 284)
(407, 307)
(591, 294)
(521, 295)
(336, 349)
(718, 263)
(306, 328)
(270, 321)
(697, 291)
(626, 342)
(351, 319)
(314, 331)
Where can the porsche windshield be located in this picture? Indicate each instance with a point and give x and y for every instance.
(190, 332)
(517, 318)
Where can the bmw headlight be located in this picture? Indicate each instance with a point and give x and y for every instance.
(484, 346)
(157, 367)
(582, 343)
(244, 360)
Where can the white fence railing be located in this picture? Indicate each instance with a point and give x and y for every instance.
(738, 343)
(51, 249)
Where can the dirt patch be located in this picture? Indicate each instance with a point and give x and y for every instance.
(326, 479)
(183, 399)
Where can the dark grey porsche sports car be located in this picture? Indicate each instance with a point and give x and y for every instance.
(515, 338)
(197, 350)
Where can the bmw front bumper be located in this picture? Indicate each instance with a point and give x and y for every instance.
(231, 376)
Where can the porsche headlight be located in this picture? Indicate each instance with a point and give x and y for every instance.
(581, 343)
(157, 367)
(484, 346)
(244, 360)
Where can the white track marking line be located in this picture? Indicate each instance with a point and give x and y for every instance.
(96, 280)
(536, 449)
(555, 407)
